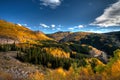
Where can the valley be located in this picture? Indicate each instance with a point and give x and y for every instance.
(33, 55)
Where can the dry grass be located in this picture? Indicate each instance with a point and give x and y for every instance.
(5, 76)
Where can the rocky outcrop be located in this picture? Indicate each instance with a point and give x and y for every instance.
(7, 41)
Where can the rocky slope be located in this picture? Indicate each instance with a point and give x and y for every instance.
(15, 68)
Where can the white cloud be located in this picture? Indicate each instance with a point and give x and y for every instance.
(29, 27)
(22, 24)
(71, 28)
(58, 28)
(110, 17)
(79, 26)
(50, 27)
(19, 24)
(76, 27)
(53, 26)
(44, 25)
(52, 3)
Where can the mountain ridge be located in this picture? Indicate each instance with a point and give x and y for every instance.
(18, 33)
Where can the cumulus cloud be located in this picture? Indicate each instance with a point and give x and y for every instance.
(110, 17)
(51, 3)
(29, 27)
(71, 28)
(76, 27)
(19, 24)
(44, 25)
(53, 26)
(22, 24)
(58, 28)
(79, 26)
(26, 25)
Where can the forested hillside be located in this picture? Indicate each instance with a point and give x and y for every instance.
(73, 56)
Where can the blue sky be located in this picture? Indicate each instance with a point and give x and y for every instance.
(50, 16)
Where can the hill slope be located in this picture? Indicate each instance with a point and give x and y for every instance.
(107, 42)
(75, 36)
(116, 34)
(68, 36)
(17, 33)
(59, 35)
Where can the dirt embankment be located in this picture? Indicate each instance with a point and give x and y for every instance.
(18, 70)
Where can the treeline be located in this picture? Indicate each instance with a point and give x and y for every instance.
(8, 47)
(79, 49)
(49, 43)
(36, 55)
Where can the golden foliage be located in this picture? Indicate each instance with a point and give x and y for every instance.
(5, 76)
(115, 69)
(57, 52)
(61, 71)
(20, 33)
(97, 71)
(36, 76)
